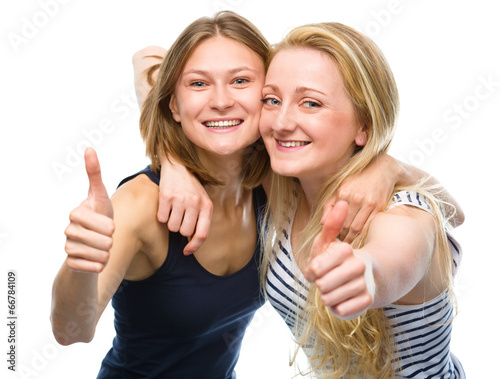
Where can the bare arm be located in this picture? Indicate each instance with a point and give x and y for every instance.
(395, 258)
(95, 265)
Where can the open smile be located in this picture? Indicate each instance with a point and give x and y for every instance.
(222, 124)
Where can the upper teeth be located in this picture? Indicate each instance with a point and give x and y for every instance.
(292, 143)
(222, 124)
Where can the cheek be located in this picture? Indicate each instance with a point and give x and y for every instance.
(265, 122)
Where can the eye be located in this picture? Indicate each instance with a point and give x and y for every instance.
(197, 83)
(271, 101)
(241, 81)
(311, 104)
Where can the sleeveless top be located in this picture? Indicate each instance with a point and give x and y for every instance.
(422, 332)
(183, 321)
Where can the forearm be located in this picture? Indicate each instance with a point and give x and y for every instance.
(74, 306)
(411, 175)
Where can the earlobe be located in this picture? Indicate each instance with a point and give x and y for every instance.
(173, 108)
(361, 137)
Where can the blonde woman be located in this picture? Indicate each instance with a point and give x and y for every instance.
(381, 306)
(182, 212)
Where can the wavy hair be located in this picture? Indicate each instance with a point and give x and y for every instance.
(163, 136)
(362, 347)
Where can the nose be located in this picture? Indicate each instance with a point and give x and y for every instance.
(285, 119)
(221, 98)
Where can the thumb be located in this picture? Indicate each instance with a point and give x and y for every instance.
(98, 196)
(333, 219)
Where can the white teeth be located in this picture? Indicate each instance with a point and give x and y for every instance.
(222, 124)
(292, 143)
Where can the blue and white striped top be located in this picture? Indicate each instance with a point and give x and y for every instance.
(422, 332)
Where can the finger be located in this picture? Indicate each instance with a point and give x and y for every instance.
(78, 250)
(351, 289)
(83, 265)
(93, 168)
(92, 220)
(339, 276)
(332, 225)
(357, 224)
(164, 208)
(175, 218)
(189, 220)
(201, 232)
(335, 255)
(87, 237)
(327, 208)
(354, 208)
(353, 307)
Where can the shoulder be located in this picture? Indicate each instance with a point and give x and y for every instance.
(135, 203)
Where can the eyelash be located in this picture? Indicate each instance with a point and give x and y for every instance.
(316, 104)
(242, 81)
(265, 100)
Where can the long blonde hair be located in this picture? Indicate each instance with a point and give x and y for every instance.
(163, 135)
(360, 347)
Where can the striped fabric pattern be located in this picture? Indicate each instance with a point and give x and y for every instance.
(422, 332)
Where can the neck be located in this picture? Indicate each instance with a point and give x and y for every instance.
(310, 189)
(228, 169)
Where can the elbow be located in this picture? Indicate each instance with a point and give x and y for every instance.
(66, 339)
(68, 333)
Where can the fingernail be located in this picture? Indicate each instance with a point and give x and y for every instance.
(188, 252)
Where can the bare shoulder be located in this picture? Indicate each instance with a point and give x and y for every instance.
(135, 203)
(402, 222)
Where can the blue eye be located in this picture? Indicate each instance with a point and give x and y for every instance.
(311, 104)
(197, 84)
(270, 101)
(241, 81)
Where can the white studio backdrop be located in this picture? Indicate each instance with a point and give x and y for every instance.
(67, 83)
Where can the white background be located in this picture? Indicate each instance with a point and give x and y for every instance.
(66, 70)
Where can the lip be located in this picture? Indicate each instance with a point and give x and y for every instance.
(280, 147)
(223, 128)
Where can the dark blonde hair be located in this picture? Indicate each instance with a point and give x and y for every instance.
(164, 136)
(360, 347)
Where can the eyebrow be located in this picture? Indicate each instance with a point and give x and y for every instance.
(232, 71)
(300, 89)
(308, 89)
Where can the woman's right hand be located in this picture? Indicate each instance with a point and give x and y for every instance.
(184, 204)
(89, 236)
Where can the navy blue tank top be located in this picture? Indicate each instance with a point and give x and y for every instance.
(183, 321)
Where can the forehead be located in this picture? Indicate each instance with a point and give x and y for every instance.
(306, 66)
(219, 53)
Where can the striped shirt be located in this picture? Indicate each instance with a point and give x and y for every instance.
(422, 332)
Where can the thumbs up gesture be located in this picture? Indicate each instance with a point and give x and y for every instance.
(337, 272)
(89, 234)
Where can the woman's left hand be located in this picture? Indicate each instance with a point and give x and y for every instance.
(367, 193)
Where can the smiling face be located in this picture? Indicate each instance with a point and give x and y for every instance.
(216, 99)
(308, 122)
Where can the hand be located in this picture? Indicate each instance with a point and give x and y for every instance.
(367, 194)
(89, 234)
(184, 204)
(336, 271)
(142, 61)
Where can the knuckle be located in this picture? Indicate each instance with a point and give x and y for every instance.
(344, 194)
(74, 215)
(355, 228)
(358, 198)
(108, 243)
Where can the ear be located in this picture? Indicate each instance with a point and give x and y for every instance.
(362, 136)
(173, 108)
